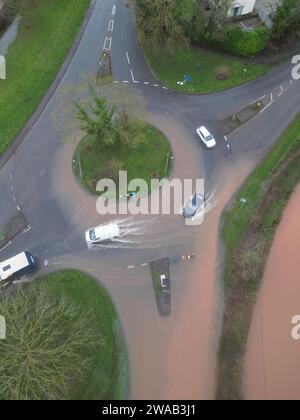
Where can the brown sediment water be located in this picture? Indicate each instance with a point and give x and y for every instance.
(272, 370)
(174, 357)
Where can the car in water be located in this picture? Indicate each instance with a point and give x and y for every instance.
(206, 137)
(194, 205)
(102, 233)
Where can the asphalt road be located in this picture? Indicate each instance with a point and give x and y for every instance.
(38, 180)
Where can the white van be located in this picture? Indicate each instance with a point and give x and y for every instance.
(102, 233)
(17, 266)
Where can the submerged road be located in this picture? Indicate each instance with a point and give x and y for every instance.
(173, 357)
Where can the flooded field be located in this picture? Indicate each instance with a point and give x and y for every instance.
(272, 363)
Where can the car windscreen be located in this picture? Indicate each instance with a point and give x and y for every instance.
(92, 235)
(209, 137)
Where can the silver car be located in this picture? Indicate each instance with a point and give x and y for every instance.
(194, 205)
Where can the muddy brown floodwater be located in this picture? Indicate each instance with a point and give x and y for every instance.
(272, 369)
(174, 357)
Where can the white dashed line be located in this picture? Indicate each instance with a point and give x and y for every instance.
(27, 229)
(128, 59)
(5, 246)
(258, 100)
(107, 44)
(111, 25)
(114, 9)
(137, 82)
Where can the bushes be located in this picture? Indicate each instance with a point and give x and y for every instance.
(245, 43)
(237, 41)
(286, 21)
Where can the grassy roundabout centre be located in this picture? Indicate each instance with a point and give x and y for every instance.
(150, 159)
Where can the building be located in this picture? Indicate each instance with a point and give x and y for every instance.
(241, 7)
(265, 9)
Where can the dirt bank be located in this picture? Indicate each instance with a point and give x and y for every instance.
(272, 370)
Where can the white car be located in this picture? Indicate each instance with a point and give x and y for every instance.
(102, 233)
(206, 137)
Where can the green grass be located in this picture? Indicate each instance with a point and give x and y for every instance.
(45, 36)
(236, 219)
(151, 157)
(248, 233)
(108, 374)
(202, 66)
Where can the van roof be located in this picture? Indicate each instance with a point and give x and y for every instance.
(106, 232)
(10, 266)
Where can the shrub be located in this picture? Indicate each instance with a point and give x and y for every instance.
(236, 40)
(286, 21)
(245, 43)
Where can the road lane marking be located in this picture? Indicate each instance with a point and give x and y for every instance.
(111, 25)
(114, 9)
(266, 107)
(258, 100)
(27, 229)
(107, 44)
(128, 59)
(132, 76)
(5, 246)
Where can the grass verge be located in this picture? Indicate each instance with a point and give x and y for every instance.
(207, 69)
(151, 159)
(248, 232)
(107, 379)
(46, 34)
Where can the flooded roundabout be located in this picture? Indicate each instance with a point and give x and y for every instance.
(170, 357)
(272, 363)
